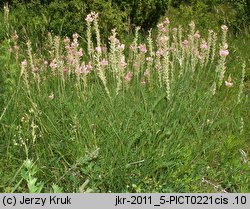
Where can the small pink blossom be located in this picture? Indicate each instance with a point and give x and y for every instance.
(185, 43)
(94, 15)
(73, 61)
(98, 49)
(51, 96)
(162, 28)
(228, 83)
(66, 40)
(166, 21)
(80, 52)
(160, 52)
(65, 70)
(204, 45)
(149, 59)
(53, 64)
(15, 36)
(35, 70)
(224, 27)
(123, 63)
(74, 44)
(147, 74)
(24, 63)
(46, 62)
(142, 48)
(197, 35)
(121, 47)
(104, 63)
(172, 49)
(89, 66)
(174, 29)
(89, 18)
(192, 24)
(132, 47)
(129, 75)
(75, 36)
(224, 52)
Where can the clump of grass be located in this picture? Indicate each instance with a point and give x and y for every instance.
(153, 116)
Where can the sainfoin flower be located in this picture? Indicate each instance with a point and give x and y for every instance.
(166, 21)
(229, 82)
(224, 52)
(197, 35)
(53, 64)
(51, 96)
(132, 47)
(80, 52)
(75, 36)
(142, 48)
(149, 59)
(129, 75)
(123, 63)
(204, 45)
(147, 74)
(185, 43)
(98, 49)
(160, 52)
(121, 47)
(66, 40)
(104, 62)
(24, 63)
(15, 36)
(89, 18)
(224, 27)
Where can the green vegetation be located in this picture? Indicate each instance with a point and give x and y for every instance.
(165, 110)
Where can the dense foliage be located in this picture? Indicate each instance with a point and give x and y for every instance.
(67, 16)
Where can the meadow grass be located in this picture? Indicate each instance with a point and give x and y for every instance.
(168, 112)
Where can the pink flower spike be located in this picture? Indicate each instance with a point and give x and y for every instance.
(51, 96)
(98, 49)
(46, 62)
(197, 35)
(89, 18)
(123, 63)
(147, 74)
(224, 27)
(89, 66)
(104, 63)
(75, 36)
(132, 47)
(149, 59)
(15, 36)
(204, 45)
(24, 63)
(166, 21)
(185, 43)
(65, 70)
(80, 53)
(121, 46)
(223, 53)
(66, 40)
(200, 56)
(128, 77)
(53, 64)
(229, 83)
(142, 48)
(160, 52)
